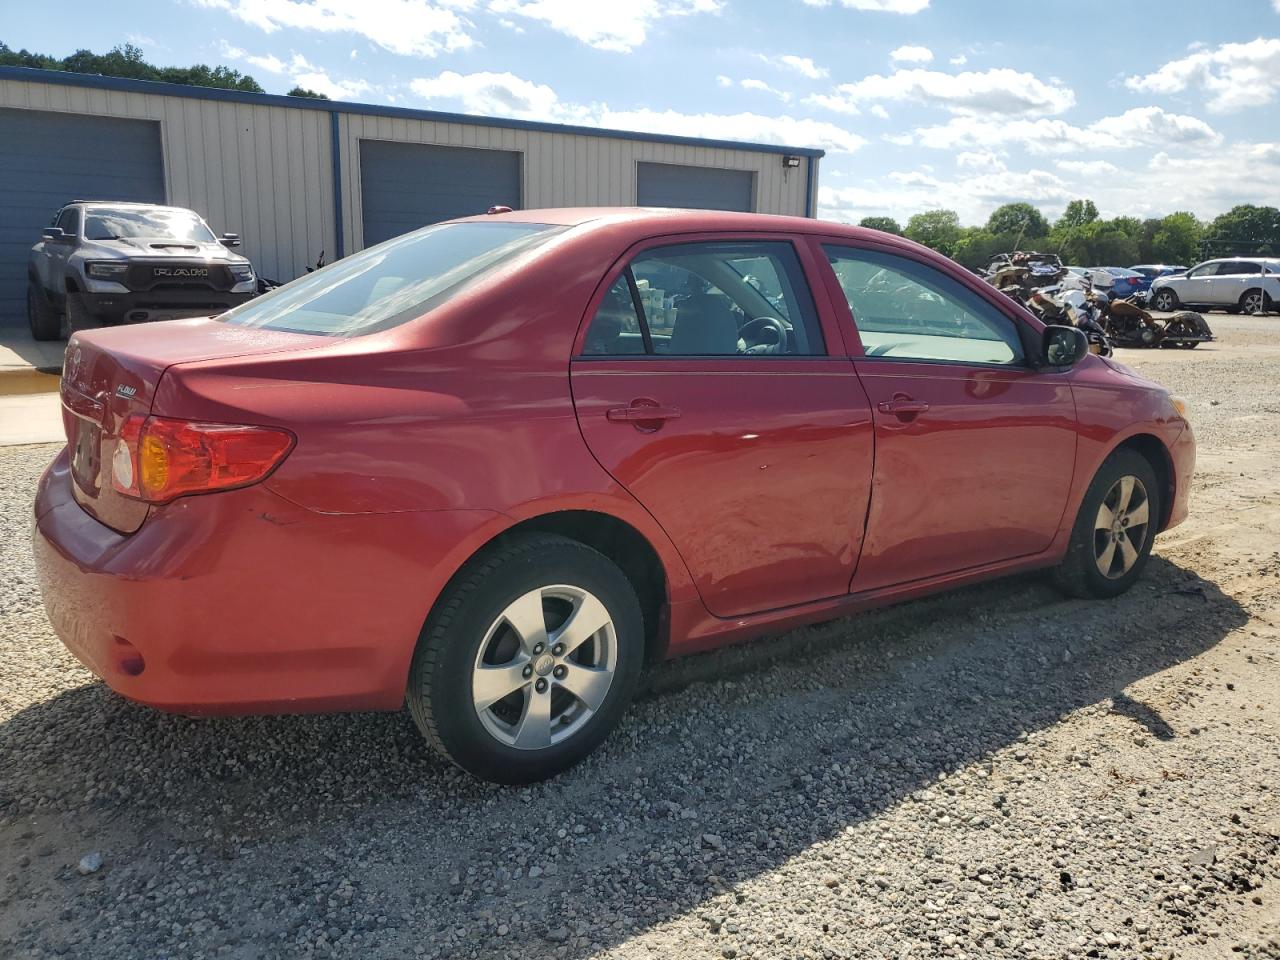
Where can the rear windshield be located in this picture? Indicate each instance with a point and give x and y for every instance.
(157, 223)
(389, 284)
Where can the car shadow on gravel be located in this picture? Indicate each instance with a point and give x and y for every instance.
(730, 764)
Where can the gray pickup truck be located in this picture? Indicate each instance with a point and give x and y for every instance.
(105, 262)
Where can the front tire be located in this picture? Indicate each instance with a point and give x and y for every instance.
(78, 317)
(1165, 300)
(528, 660)
(1114, 530)
(44, 320)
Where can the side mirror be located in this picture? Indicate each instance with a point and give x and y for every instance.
(230, 240)
(1064, 346)
(54, 233)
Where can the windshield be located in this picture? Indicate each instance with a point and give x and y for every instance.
(156, 223)
(394, 282)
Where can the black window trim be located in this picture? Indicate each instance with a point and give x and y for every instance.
(676, 241)
(1020, 329)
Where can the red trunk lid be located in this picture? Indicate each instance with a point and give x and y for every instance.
(110, 374)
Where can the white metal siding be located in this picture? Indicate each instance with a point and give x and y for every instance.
(263, 172)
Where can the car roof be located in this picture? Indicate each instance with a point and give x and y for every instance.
(657, 219)
(129, 203)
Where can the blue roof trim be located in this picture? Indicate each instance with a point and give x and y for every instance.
(32, 75)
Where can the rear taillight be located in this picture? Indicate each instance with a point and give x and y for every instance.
(158, 459)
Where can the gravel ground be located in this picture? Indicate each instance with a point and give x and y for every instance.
(996, 772)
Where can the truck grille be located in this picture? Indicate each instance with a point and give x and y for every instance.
(178, 275)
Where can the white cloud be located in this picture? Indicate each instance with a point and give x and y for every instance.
(302, 72)
(979, 160)
(269, 63)
(618, 25)
(761, 86)
(408, 27)
(806, 67)
(1000, 91)
(879, 111)
(911, 54)
(1142, 126)
(723, 81)
(899, 139)
(1234, 76)
(504, 94)
(879, 6)
(959, 60)
(973, 196)
(1087, 168)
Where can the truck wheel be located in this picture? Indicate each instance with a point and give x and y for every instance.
(1164, 300)
(528, 660)
(78, 318)
(1114, 529)
(44, 320)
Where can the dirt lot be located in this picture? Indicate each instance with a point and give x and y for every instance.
(995, 772)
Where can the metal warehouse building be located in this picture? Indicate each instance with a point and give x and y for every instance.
(295, 176)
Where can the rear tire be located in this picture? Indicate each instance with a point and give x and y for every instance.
(79, 318)
(44, 320)
(1255, 303)
(1164, 300)
(1122, 505)
(498, 627)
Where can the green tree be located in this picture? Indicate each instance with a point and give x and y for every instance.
(127, 61)
(938, 229)
(885, 224)
(1251, 228)
(304, 92)
(977, 246)
(1078, 213)
(1177, 239)
(1018, 219)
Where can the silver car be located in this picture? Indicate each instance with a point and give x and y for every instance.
(108, 262)
(1238, 285)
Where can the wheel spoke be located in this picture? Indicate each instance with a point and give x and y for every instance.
(587, 619)
(491, 684)
(534, 729)
(588, 684)
(1139, 514)
(527, 620)
(1127, 551)
(1126, 493)
(1106, 558)
(1106, 517)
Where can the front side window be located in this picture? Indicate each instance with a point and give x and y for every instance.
(392, 283)
(905, 310)
(69, 221)
(730, 299)
(152, 223)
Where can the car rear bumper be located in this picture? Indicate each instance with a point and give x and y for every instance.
(139, 307)
(242, 602)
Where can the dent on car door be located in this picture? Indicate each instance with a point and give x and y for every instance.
(975, 449)
(704, 385)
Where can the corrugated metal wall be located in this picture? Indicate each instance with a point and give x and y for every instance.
(265, 171)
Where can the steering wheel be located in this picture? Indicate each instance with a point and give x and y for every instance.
(750, 335)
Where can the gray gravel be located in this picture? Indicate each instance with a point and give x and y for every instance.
(997, 772)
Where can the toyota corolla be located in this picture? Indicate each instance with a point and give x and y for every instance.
(493, 467)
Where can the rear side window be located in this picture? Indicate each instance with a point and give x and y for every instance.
(392, 283)
(725, 299)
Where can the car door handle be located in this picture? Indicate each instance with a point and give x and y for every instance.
(641, 412)
(902, 405)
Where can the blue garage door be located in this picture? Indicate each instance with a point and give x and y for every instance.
(47, 159)
(701, 188)
(409, 185)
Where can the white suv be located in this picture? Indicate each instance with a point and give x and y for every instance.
(1237, 285)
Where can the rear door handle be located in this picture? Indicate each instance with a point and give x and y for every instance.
(641, 412)
(902, 405)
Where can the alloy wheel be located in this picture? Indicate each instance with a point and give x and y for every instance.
(1121, 527)
(545, 667)
(1252, 303)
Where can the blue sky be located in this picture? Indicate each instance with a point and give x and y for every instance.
(1145, 107)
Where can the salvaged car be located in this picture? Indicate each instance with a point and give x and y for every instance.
(495, 466)
(107, 262)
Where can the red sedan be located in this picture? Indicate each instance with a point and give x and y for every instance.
(493, 467)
